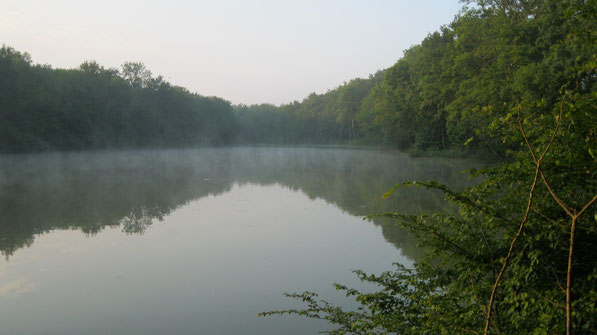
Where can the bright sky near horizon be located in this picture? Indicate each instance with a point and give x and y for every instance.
(268, 51)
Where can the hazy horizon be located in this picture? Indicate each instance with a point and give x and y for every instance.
(250, 53)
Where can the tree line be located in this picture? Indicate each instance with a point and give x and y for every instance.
(508, 79)
(443, 94)
(514, 79)
(92, 107)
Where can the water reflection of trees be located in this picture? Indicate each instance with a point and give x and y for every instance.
(91, 191)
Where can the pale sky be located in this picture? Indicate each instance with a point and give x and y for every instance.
(269, 51)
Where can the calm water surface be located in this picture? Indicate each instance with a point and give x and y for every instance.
(197, 241)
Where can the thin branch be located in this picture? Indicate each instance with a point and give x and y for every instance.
(509, 255)
(569, 279)
(526, 140)
(572, 213)
(526, 214)
(553, 271)
(569, 270)
(554, 196)
(462, 198)
(439, 235)
(469, 330)
(476, 296)
(545, 217)
(587, 206)
(481, 306)
(545, 298)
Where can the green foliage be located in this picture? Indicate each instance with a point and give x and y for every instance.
(444, 94)
(94, 108)
(319, 119)
(521, 72)
(448, 290)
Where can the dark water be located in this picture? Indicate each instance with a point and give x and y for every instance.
(197, 241)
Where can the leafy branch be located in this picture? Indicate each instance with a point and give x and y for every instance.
(574, 215)
(522, 223)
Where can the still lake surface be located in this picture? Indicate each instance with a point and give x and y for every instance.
(198, 241)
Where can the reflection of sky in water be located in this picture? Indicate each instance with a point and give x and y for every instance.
(209, 267)
(211, 237)
(17, 286)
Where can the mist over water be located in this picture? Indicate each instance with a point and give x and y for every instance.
(199, 240)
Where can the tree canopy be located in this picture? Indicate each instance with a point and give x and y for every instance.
(92, 107)
(511, 79)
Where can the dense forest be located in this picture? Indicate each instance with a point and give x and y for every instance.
(443, 94)
(515, 80)
(93, 107)
(512, 80)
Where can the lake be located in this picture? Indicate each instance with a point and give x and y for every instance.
(198, 241)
